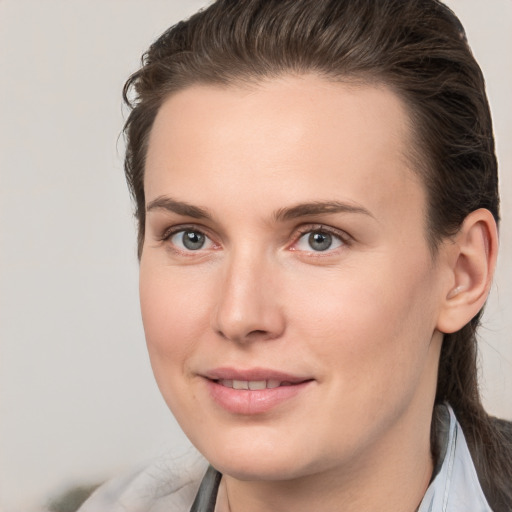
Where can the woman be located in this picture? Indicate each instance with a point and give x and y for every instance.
(316, 191)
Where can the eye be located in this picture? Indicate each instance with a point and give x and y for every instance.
(190, 240)
(319, 241)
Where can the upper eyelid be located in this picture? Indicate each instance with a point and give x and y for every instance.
(308, 228)
(172, 230)
(345, 238)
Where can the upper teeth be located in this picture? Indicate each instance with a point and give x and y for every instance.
(252, 384)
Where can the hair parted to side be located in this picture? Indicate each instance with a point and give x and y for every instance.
(417, 48)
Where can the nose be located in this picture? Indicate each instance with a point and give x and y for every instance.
(248, 306)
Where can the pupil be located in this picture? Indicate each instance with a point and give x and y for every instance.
(320, 241)
(193, 240)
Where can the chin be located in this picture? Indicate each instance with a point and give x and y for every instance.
(255, 455)
(270, 469)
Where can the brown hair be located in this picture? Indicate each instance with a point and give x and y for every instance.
(416, 47)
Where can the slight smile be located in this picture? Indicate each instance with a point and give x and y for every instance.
(255, 391)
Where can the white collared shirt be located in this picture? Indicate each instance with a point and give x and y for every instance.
(456, 487)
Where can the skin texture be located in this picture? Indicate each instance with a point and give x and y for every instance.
(361, 320)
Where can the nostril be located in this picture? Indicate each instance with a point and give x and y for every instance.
(258, 332)
(261, 334)
(254, 335)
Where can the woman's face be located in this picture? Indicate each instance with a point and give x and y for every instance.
(288, 293)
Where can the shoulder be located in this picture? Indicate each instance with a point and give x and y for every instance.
(169, 483)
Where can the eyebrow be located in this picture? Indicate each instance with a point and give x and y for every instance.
(179, 207)
(319, 208)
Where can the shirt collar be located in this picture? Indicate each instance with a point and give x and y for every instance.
(455, 488)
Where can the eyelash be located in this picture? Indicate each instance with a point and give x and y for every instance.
(169, 232)
(342, 236)
(174, 230)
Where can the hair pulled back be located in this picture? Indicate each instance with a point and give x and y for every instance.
(418, 48)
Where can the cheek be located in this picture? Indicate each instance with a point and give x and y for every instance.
(174, 312)
(371, 326)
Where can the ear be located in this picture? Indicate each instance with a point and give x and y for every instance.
(471, 263)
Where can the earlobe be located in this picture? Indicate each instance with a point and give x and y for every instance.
(472, 264)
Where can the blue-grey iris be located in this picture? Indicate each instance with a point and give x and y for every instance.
(320, 241)
(193, 240)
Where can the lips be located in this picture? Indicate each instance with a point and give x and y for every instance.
(253, 391)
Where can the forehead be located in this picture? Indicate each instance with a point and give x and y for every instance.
(285, 138)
